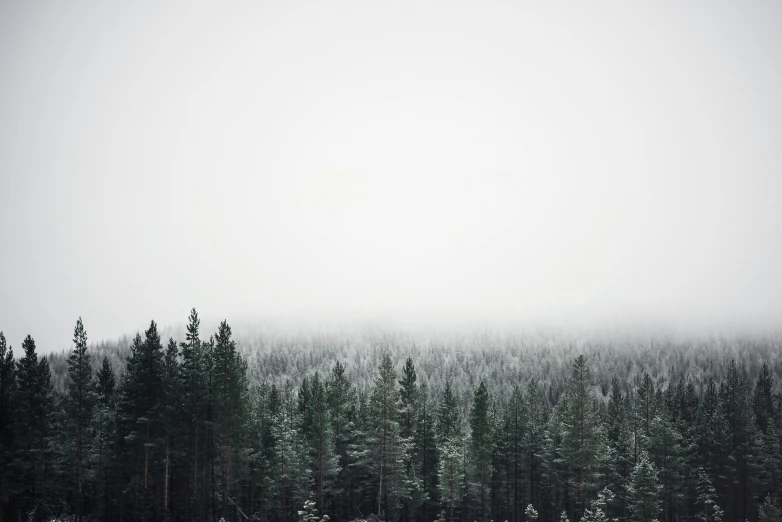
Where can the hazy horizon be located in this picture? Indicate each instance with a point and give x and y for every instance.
(433, 163)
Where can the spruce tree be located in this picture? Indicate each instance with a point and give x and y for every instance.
(620, 448)
(533, 440)
(231, 408)
(386, 444)
(170, 409)
(448, 422)
(104, 443)
(194, 399)
(34, 406)
(667, 453)
(580, 437)
(426, 454)
(742, 469)
(79, 403)
(769, 512)
(340, 396)
(707, 499)
(7, 400)
(323, 456)
(480, 450)
(644, 491)
(140, 397)
(449, 475)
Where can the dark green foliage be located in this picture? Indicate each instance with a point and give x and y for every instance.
(191, 431)
(7, 415)
(644, 491)
(79, 401)
(480, 451)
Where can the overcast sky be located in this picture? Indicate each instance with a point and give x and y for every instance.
(416, 160)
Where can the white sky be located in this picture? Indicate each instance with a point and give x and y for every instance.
(415, 160)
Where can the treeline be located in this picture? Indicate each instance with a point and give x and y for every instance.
(184, 433)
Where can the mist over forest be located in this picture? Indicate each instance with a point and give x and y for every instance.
(455, 261)
(372, 423)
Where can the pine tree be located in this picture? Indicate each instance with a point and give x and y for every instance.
(770, 473)
(31, 430)
(79, 403)
(7, 400)
(140, 397)
(620, 448)
(325, 461)
(310, 514)
(599, 507)
(480, 449)
(449, 476)
(644, 491)
(386, 444)
(707, 496)
(533, 440)
(580, 437)
(763, 399)
(709, 437)
(231, 408)
(645, 411)
(169, 411)
(448, 423)
(667, 454)
(769, 512)
(425, 449)
(340, 396)
(194, 398)
(290, 472)
(105, 425)
(408, 395)
(736, 400)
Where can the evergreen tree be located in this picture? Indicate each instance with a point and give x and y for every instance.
(426, 454)
(742, 470)
(620, 448)
(290, 472)
(35, 404)
(667, 454)
(645, 411)
(139, 407)
(763, 399)
(325, 461)
(231, 407)
(408, 395)
(599, 507)
(480, 450)
(169, 411)
(707, 495)
(448, 423)
(580, 437)
(769, 512)
(79, 403)
(105, 425)
(644, 491)
(194, 399)
(386, 444)
(408, 403)
(449, 476)
(7, 400)
(533, 441)
(340, 396)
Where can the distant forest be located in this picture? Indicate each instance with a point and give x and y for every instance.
(391, 426)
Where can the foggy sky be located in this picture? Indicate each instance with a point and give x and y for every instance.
(426, 161)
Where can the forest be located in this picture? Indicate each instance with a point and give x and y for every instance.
(391, 426)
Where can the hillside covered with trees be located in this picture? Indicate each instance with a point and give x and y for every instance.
(391, 427)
